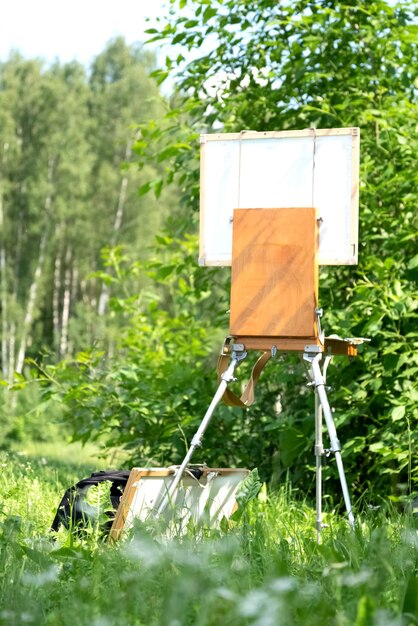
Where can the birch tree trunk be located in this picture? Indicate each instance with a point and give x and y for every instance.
(27, 322)
(66, 303)
(56, 293)
(56, 331)
(16, 274)
(18, 245)
(12, 346)
(104, 294)
(74, 296)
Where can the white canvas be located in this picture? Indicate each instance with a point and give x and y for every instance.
(285, 169)
(206, 500)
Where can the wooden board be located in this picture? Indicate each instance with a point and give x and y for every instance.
(330, 345)
(281, 344)
(274, 288)
(341, 347)
(297, 168)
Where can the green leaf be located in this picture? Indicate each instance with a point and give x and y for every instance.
(208, 13)
(398, 412)
(247, 491)
(178, 38)
(413, 263)
(365, 611)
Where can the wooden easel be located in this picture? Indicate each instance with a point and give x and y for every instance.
(274, 257)
(274, 179)
(274, 308)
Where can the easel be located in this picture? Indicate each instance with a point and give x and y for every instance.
(275, 254)
(274, 308)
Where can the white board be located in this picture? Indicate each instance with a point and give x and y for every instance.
(267, 170)
(202, 501)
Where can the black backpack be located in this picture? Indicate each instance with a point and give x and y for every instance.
(76, 513)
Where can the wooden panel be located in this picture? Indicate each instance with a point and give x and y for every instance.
(274, 289)
(123, 508)
(282, 344)
(333, 346)
(337, 346)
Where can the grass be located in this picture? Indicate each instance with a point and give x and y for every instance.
(265, 570)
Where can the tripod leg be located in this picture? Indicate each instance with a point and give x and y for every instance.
(226, 377)
(319, 451)
(319, 383)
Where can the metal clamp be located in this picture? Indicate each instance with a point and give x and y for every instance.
(313, 349)
(319, 312)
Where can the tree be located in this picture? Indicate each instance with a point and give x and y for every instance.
(122, 93)
(275, 66)
(66, 193)
(28, 178)
(66, 140)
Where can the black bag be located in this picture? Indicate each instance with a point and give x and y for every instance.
(75, 512)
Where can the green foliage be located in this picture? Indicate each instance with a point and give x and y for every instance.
(27, 417)
(276, 66)
(247, 491)
(272, 66)
(66, 192)
(151, 391)
(266, 569)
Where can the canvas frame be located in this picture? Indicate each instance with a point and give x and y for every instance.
(205, 500)
(255, 170)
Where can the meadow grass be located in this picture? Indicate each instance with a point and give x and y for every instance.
(265, 570)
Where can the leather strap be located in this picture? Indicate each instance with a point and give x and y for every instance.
(247, 396)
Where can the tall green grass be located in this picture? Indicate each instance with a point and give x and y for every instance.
(265, 570)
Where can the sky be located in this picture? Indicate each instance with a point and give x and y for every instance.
(80, 29)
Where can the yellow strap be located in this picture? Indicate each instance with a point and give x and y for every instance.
(247, 396)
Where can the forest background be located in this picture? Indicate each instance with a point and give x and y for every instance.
(109, 329)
